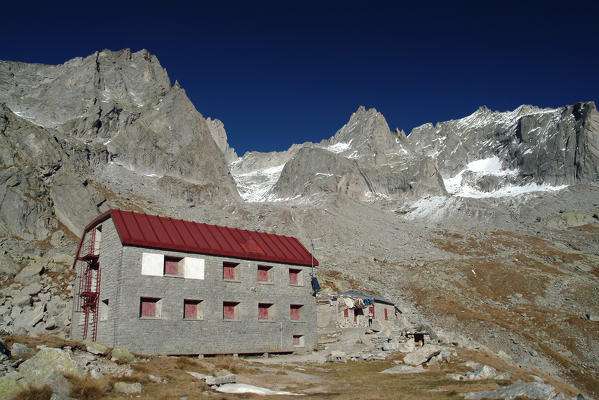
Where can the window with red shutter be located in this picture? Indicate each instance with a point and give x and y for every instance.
(346, 312)
(386, 316)
(263, 273)
(229, 271)
(229, 310)
(294, 276)
(298, 340)
(263, 311)
(148, 307)
(171, 265)
(190, 309)
(294, 312)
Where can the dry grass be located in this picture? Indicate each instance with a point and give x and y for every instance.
(35, 393)
(88, 388)
(231, 364)
(44, 339)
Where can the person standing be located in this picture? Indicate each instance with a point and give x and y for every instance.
(369, 318)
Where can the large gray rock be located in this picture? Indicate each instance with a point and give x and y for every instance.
(422, 354)
(31, 270)
(48, 367)
(11, 385)
(29, 319)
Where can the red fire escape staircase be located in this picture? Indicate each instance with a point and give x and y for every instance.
(88, 295)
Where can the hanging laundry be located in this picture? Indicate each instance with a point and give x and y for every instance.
(315, 285)
(349, 303)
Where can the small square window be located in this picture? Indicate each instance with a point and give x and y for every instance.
(295, 276)
(230, 272)
(149, 307)
(298, 340)
(193, 309)
(264, 311)
(172, 266)
(230, 310)
(295, 312)
(264, 273)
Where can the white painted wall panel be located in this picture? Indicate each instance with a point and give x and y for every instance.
(193, 268)
(152, 264)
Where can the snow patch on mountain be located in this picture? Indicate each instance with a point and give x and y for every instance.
(487, 166)
(254, 186)
(339, 147)
(491, 166)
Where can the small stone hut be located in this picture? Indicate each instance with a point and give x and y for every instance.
(166, 286)
(351, 308)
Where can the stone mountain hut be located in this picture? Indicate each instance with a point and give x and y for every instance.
(166, 286)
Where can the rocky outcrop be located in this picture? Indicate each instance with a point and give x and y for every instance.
(553, 146)
(363, 160)
(61, 125)
(217, 130)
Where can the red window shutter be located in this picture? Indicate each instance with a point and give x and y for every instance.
(262, 274)
(371, 308)
(294, 312)
(171, 267)
(191, 310)
(296, 340)
(148, 308)
(386, 317)
(346, 313)
(263, 311)
(293, 276)
(229, 311)
(229, 272)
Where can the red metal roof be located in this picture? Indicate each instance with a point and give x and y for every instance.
(152, 231)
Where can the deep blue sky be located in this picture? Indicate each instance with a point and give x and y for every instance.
(285, 72)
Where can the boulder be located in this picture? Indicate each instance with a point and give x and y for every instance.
(124, 387)
(422, 355)
(57, 239)
(121, 354)
(30, 272)
(48, 367)
(407, 347)
(11, 385)
(29, 319)
(50, 323)
(22, 300)
(32, 289)
(96, 348)
(483, 372)
(19, 349)
(8, 266)
(390, 346)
